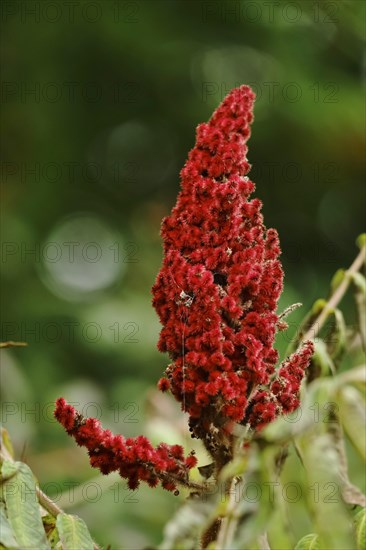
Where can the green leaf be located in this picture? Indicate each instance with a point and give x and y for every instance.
(73, 533)
(359, 283)
(353, 417)
(7, 537)
(254, 511)
(331, 516)
(22, 505)
(279, 530)
(336, 339)
(322, 359)
(309, 542)
(360, 528)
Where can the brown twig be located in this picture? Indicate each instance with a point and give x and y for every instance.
(335, 298)
(12, 344)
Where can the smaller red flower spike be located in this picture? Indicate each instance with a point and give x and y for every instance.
(282, 396)
(134, 458)
(164, 384)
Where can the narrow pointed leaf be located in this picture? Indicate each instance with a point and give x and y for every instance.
(6, 442)
(336, 339)
(359, 283)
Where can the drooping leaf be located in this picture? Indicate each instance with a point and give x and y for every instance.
(254, 512)
(353, 417)
(336, 337)
(329, 512)
(73, 533)
(322, 359)
(22, 505)
(279, 532)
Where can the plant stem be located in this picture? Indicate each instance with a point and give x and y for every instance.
(336, 297)
(48, 504)
(229, 522)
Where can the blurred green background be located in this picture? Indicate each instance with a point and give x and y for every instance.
(100, 101)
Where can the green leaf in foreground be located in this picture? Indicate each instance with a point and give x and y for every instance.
(22, 505)
(329, 514)
(73, 533)
(309, 542)
(7, 537)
